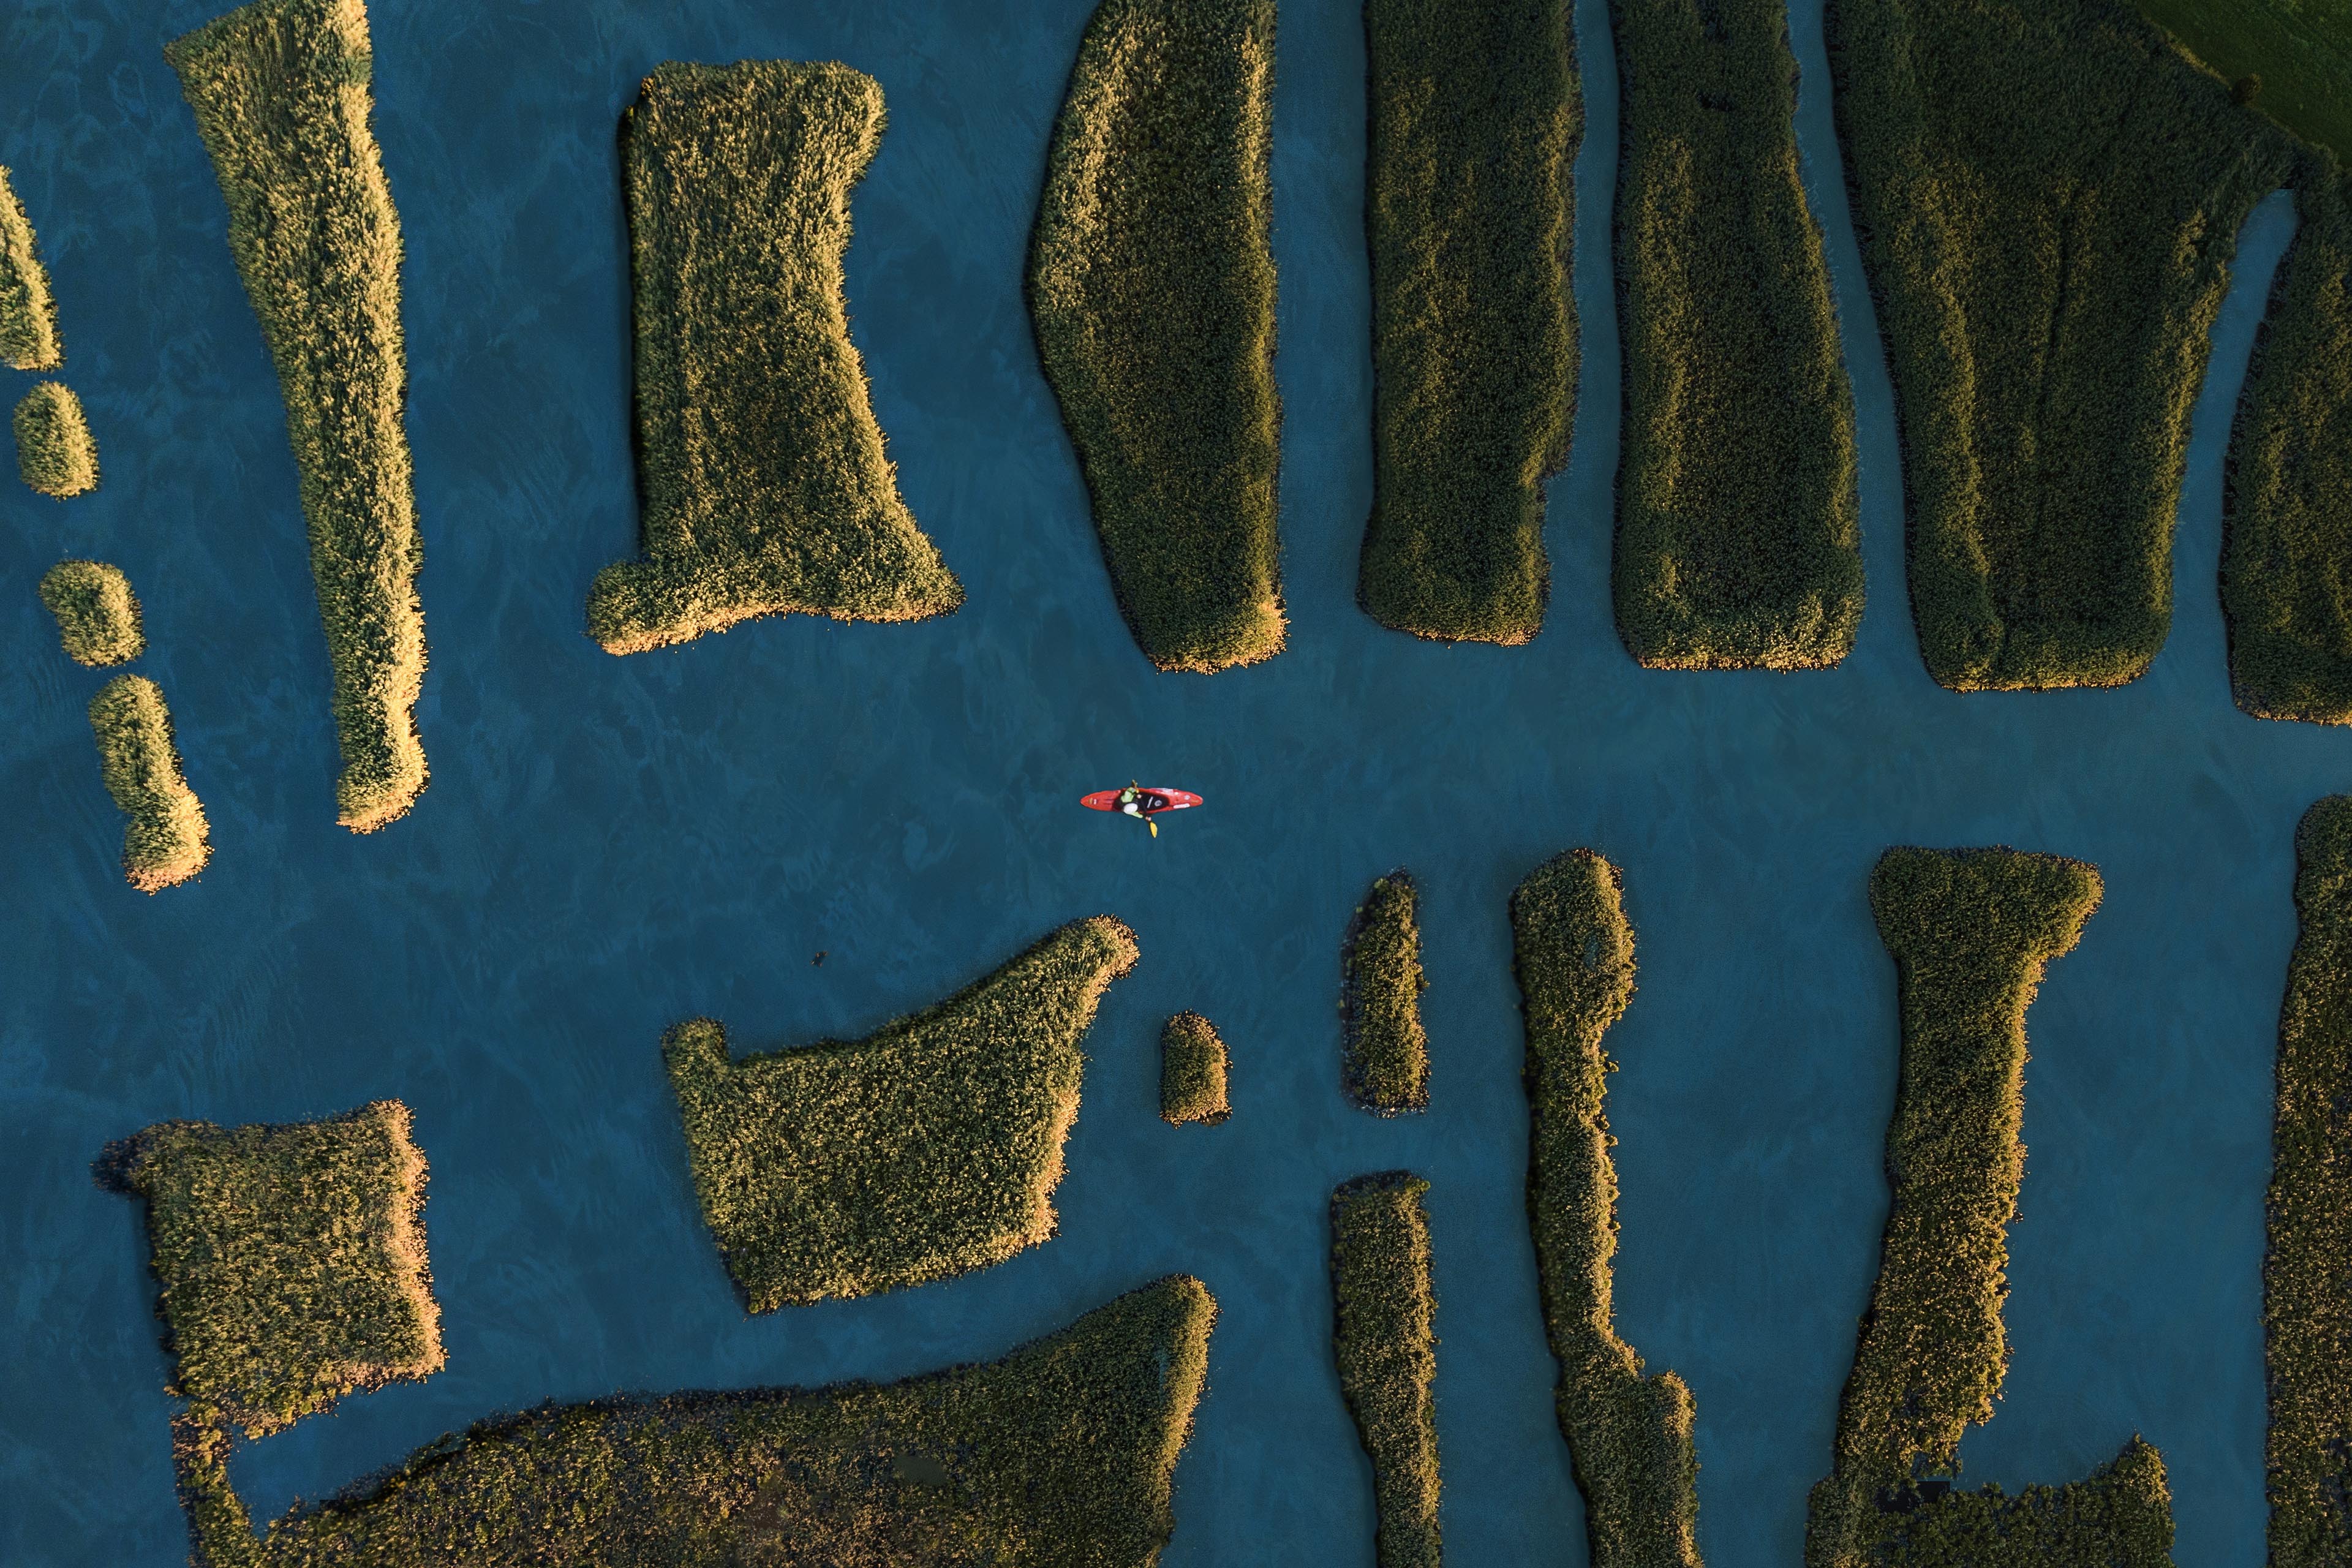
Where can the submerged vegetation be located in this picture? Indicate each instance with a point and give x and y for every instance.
(98, 618)
(166, 839)
(1738, 535)
(1383, 1335)
(280, 93)
(2290, 59)
(766, 488)
(1629, 1437)
(55, 451)
(1971, 932)
(28, 321)
(1476, 114)
(1151, 287)
(929, 1148)
(1192, 1071)
(1386, 1068)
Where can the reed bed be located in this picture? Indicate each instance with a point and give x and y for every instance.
(766, 488)
(28, 319)
(1382, 1333)
(2290, 59)
(55, 451)
(1151, 288)
(1192, 1062)
(1629, 1437)
(96, 615)
(1476, 114)
(165, 839)
(1386, 1064)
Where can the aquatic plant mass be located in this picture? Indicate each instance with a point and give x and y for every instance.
(1193, 1072)
(28, 319)
(97, 613)
(166, 837)
(55, 453)
(1386, 1065)
(1381, 1334)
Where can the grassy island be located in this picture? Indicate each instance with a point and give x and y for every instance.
(55, 451)
(98, 617)
(1191, 1072)
(1151, 289)
(1971, 932)
(1476, 114)
(1629, 1437)
(166, 839)
(928, 1149)
(1059, 1455)
(289, 1258)
(28, 320)
(279, 89)
(1386, 1068)
(1384, 1334)
(1738, 534)
(765, 484)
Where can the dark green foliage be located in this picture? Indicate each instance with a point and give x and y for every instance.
(2293, 57)
(1738, 540)
(165, 839)
(28, 322)
(766, 489)
(98, 617)
(1382, 1333)
(1628, 1436)
(2048, 197)
(280, 93)
(928, 1149)
(1971, 932)
(1191, 1072)
(1059, 1455)
(55, 452)
(1151, 288)
(1476, 114)
(1386, 1068)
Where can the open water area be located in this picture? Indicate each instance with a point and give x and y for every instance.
(611, 845)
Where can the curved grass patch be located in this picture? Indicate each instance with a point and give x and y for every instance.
(279, 89)
(98, 617)
(1738, 535)
(28, 320)
(1386, 1067)
(55, 451)
(1151, 289)
(1382, 1333)
(1629, 1437)
(166, 839)
(1191, 1072)
(1476, 114)
(929, 1148)
(766, 488)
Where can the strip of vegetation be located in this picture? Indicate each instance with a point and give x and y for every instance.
(1384, 1337)
(1629, 1437)
(166, 839)
(929, 1148)
(55, 451)
(1476, 115)
(1059, 1455)
(2045, 282)
(1971, 932)
(2290, 59)
(1151, 288)
(766, 488)
(280, 93)
(2307, 1272)
(28, 321)
(98, 617)
(1386, 1068)
(290, 1256)
(1191, 1072)
(1738, 535)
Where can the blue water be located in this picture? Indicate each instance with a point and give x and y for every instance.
(609, 845)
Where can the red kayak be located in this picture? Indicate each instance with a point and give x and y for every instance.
(1157, 798)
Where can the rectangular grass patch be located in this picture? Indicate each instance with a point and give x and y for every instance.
(28, 318)
(165, 837)
(97, 613)
(1382, 1333)
(1386, 1065)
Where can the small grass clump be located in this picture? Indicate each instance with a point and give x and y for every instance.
(1629, 1437)
(28, 321)
(55, 451)
(1382, 1333)
(1476, 114)
(279, 89)
(1738, 534)
(289, 1257)
(98, 617)
(2290, 59)
(1191, 1072)
(1971, 932)
(1386, 1068)
(166, 839)
(1151, 288)
(765, 484)
(928, 1149)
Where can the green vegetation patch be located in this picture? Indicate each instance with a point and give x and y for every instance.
(2045, 280)
(1151, 288)
(2290, 59)
(1738, 535)
(166, 839)
(291, 1259)
(280, 93)
(2307, 1272)
(55, 451)
(1386, 1067)
(1476, 115)
(928, 1149)
(1384, 1334)
(28, 321)
(765, 484)
(1971, 932)
(1192, 1071)
(1059, 1455)
(1629, 1437)
(98, 618)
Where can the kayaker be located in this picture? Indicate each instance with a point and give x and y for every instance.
(1131, 802)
